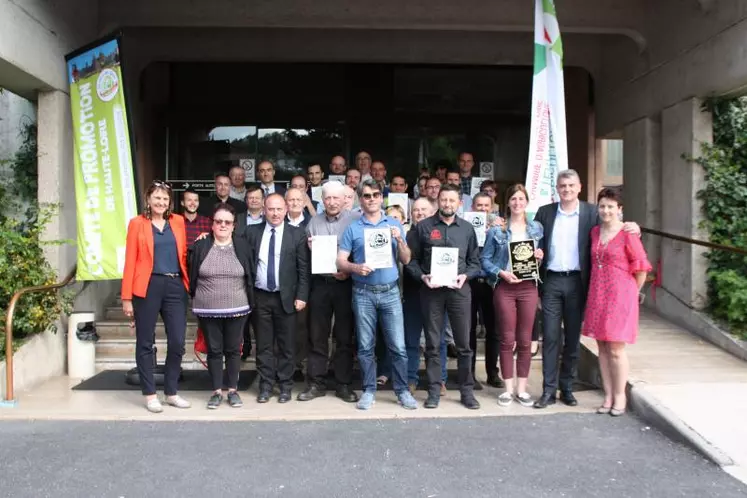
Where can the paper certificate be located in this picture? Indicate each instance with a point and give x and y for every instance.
(323, 254)
(399, 200)
(378, 248)
(479, 223)
(337, 178)
(521, 257)
(316, 194)
(476, 184)
(444, 265)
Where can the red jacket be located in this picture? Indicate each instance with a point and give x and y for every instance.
(139, 255)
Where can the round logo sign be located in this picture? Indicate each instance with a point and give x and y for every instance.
(107, 85)
(377, 240)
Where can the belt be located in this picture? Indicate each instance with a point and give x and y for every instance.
(375, 288)
(170, 275)
(481, 280)
(564, 273)
(326, 280)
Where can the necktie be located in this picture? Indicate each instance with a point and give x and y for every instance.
(267, 191)
(271, 263)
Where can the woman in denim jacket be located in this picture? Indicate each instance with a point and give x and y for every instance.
(515, 300)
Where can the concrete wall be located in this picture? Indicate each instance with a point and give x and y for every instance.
(41, 357)
(15, 114)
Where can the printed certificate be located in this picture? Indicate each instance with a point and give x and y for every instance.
(323, 254)
(378, 248)
(444, 266)
(479, 223)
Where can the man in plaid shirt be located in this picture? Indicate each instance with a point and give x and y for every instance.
(194, 223)
(466, 163)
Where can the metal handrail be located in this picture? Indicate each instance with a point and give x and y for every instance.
(9, 327)
(703, 243)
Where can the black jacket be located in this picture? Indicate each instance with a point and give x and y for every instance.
(207, 206)
(587, 219)
(295, 262)
(199, 251)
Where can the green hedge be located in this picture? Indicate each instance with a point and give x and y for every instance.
(725, 208)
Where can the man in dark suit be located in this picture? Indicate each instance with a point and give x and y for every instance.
(277, 296)
(222, 195)
(253, 214)
(565, 273)
(266, 175)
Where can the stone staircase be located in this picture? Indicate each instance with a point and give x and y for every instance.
(116, 348)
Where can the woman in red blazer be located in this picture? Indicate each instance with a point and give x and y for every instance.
(156, 281)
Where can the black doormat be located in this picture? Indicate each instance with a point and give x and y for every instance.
(192, 380)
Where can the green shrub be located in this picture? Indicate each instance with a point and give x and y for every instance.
(725, 208)
(22, 264)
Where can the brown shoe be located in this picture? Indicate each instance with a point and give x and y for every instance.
(443, 388)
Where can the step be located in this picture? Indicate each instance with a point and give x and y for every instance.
(121, 330)
(115, 313)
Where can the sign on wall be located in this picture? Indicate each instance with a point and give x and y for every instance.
(104, 180)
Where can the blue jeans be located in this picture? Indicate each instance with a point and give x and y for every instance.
(371, 304)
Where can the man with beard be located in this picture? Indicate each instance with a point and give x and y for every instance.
(222, 195)
(445, 229)
(337, 166)
(194, 223)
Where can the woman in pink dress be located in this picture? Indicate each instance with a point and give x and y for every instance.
(619, 268)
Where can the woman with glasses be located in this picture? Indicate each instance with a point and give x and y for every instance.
(221, 288)
(154, 282)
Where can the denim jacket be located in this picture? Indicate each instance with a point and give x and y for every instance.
(494, 257)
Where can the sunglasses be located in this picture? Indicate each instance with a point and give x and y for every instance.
(160, 184)
(223, 222)
(371, 195)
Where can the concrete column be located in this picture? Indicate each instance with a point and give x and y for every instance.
(684, 128)
(56, 183)
(642, 179)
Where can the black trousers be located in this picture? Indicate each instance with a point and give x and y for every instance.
(482, 299)
(223, 337)
(457, 303)
(275, 331)
(168, 297)
(562, 300)
(301, 351)
(330, 297)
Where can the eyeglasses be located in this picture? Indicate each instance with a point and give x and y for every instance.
(371, 195)
(223, 222)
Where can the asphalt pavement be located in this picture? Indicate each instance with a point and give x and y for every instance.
(574, 455)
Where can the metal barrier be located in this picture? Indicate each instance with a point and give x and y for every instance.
(9, 395)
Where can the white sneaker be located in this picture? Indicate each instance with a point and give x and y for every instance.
(154, 405)
(505, 399)
(525, 399)
(178, 402)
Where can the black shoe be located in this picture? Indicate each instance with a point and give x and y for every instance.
(496, 381)
(477, 385)
(285, 396)
(346, 394)
(246, 354)
(469, 401)
(451, 351)
(434, 396)
(310, 393)
(234, 400)
(568, 398)
(214, 402)
(545, 401)
(264, 395)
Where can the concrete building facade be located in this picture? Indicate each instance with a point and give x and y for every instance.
(635, 70)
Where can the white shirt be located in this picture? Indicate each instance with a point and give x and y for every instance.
(264, 253)
(297, 221)
(564, 245)
(268, 189)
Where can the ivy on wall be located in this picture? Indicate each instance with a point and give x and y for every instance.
(725, 210)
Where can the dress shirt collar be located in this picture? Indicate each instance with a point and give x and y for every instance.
(575, 212)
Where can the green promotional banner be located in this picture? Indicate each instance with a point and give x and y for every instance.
(104, 180)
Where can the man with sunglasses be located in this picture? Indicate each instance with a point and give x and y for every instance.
(376, 293)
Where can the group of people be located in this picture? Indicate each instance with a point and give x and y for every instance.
(250, 262)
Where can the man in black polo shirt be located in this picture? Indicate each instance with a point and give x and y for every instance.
(445, 229)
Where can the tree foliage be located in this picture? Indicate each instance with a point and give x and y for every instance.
(725, 209)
